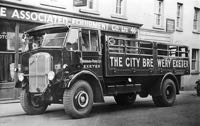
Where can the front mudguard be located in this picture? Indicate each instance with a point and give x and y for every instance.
(91, 78)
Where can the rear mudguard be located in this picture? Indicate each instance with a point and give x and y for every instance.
(156, 90)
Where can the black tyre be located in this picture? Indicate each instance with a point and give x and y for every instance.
(125, 99)
(168, 94)
(31, 104)
(198, 89)
(78, 100)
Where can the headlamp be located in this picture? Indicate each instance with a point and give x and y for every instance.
(65, 66)
(129, 80)
(20, 76)
(51, 75)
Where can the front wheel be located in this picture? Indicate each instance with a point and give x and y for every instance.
(168, 94)
(31, 104)
(78, 100)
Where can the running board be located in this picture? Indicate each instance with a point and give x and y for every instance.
(124, 89)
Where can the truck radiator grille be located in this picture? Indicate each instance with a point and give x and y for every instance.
(39, 66)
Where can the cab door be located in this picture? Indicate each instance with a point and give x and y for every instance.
(91, 50)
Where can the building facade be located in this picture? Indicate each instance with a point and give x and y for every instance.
(171, 21)
(174, 21)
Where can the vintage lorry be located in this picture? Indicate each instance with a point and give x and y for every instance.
(77, 66)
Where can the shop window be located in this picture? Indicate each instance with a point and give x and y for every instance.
(6, 59)
(179, 18)
(7, 34)
(7, 48)
(90, 40)
(159, 13)
(195, 60)
(3, 41)
(196, 21)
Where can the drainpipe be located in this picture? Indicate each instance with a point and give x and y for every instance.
(16, 55)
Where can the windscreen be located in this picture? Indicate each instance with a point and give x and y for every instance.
(53, 39)
(47, 38)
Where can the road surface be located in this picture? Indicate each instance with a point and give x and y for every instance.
(185, 112)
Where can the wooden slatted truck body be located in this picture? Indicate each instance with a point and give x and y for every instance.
(77, 66)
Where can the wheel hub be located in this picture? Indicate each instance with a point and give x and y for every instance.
(169, 93)
(35, 101)
(82, 99)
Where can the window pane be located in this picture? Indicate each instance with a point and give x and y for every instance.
(72, 40)
(158, 12)
(91, 4)
(195, 25)
(179, 15)
(94, 40)
(193, 65)
(196, 19)
(85, 40)
(160, 7)
(119, 6)
(54, 39)
(195, 59)
(7, 35)
(158, 20)
(194, 54)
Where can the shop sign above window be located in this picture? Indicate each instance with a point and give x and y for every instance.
(2, 11)
(34, 16)
(79, 3)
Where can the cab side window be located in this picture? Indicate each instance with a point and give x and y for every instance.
(89, 40)
(94, 40)
(72, 40)
(85, 40)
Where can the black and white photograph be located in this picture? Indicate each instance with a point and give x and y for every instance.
(99, 62)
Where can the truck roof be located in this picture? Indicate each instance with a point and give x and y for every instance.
(47, 26)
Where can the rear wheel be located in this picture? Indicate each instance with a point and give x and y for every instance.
(78, 100)
(168, 94)
(31, 104)
(125, 99)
